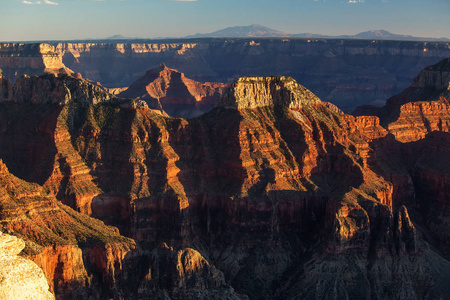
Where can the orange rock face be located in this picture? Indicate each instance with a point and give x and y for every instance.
(417, 119)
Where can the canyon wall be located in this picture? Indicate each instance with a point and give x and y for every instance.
(273, 194)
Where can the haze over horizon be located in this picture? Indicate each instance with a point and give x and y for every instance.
(34, 20)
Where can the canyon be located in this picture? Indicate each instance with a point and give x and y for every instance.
(347, 73)
(271, 194)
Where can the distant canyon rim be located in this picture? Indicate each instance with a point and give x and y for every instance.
(347, 73)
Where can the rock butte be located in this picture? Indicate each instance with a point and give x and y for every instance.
(273, 194)
(171, 92)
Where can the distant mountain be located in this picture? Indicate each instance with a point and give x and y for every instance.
(262, 31)
(117, 37)
(370, 35)
(382, 34)
(253, 30)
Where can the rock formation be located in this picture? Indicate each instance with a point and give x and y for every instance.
(20, 278)
(171, 92)
(271, 194)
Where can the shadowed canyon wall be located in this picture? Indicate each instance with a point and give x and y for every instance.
(273, 194)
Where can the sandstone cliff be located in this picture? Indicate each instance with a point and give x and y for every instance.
(254, 92)
(171, 92)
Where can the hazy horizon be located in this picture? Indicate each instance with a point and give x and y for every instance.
(34, 20)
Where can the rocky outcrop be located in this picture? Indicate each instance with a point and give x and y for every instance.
(417, 119)
(20, 278)
(60, 90)
(170, 91)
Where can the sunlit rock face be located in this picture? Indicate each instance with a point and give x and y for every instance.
(20, 278)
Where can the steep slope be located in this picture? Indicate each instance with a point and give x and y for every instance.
(170, 91)
(267, 179)
(80, 256)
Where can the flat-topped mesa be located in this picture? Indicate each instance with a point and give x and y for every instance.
(254, 92)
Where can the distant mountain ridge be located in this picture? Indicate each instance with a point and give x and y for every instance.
(256, 30)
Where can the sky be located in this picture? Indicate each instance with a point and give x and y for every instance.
(37, 20)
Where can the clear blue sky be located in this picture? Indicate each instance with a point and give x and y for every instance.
(80, 19)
